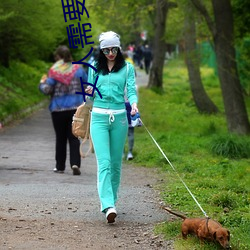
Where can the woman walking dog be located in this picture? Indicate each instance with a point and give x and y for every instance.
(109, 123)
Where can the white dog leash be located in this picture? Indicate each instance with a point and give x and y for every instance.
(174, 170)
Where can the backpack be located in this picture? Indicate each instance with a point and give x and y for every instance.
(81, 127)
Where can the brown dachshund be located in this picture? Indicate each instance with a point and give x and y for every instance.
(204, 229)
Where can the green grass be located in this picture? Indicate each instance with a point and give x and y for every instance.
(214, 164)
(19, 88)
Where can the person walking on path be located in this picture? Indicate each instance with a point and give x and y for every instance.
(128, 109)
(62, 82)
(131, 131)
(109, 125)
(147, 58)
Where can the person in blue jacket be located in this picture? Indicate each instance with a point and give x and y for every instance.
(62, 82)
(109, 124)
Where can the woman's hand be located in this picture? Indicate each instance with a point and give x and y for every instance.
(134, 109)
(89, 90)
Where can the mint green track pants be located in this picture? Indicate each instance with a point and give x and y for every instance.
(108, 138)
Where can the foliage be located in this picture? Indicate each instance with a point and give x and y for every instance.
(243, 47)
(133, 17)
(28, 33)
(174, 25)
(242, 37)
(220, 184)
(241, 17)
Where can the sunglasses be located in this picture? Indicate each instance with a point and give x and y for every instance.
(106, 51)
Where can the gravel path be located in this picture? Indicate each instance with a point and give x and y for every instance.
(43, 210)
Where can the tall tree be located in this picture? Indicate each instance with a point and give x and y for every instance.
(159, 46)
(223, 38)
(201, 99)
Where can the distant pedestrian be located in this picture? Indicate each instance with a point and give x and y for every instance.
(130, 133)
(61, 84)
(128, 109)
(139, 56)
(147, 54)
(109, 123)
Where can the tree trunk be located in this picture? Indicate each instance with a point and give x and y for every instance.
(223, 38)
(201, 99)
(159, 47)
(235, 109)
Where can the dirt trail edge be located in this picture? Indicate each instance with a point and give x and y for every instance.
(40, 209)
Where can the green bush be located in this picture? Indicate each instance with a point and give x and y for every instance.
(231, 146)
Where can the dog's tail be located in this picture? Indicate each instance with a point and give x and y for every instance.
(175, 213)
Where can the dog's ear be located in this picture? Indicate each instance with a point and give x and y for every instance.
(214, 235)
(228, 237)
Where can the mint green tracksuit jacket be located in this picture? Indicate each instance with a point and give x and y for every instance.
(109, 132)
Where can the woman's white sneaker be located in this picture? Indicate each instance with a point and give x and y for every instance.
(111, 214)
